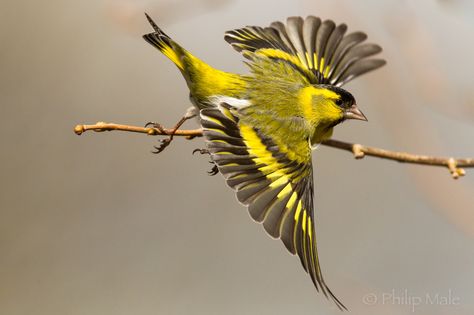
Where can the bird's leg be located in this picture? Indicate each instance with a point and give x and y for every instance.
(190, 113)
(214, 170)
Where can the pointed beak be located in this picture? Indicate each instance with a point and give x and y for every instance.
(354, 113)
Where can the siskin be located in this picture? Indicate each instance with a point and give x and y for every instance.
(261, 128)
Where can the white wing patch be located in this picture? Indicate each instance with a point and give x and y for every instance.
(232, 101)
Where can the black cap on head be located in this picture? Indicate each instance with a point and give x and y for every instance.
(346, 102)
(346, 99)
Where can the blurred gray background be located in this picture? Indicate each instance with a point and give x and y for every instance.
(98, 225)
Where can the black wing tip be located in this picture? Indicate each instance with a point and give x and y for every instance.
(227, 38)
(380, 62)
(338, 303)
(294, 19)
(331, 296)
(376, 63)
(211, 111)
(311, 17)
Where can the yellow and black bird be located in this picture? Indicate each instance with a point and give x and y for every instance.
(261, 128)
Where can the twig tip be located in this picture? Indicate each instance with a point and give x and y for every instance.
(79, 129)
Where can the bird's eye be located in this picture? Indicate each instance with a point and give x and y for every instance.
(339, 102)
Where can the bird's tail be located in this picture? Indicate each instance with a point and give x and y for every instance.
(202, 79)
(166, 45)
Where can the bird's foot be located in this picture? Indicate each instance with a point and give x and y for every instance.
(214, 170)
(163, 143)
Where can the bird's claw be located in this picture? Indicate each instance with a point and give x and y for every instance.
(163, 144)
(214, 170)
(201, 151)
(155, 125)
(190, 113)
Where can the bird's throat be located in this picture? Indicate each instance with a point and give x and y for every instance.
(321, 133)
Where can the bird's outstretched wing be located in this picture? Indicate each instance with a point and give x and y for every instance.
(273, 179)
(319, 49)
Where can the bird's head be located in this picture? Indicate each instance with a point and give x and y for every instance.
(325, 106)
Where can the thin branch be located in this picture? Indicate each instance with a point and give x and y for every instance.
(358, 150)
(102, 126)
